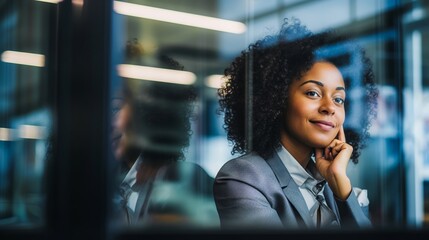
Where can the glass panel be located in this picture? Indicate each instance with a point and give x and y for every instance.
(25, 110)
(426, 203)
(167, 75)
(425, 83)
(416, 60)
(425, 122)
(145, 41)
(307, 12)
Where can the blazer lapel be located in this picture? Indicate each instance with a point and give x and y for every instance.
(142, 203)
(290, 188)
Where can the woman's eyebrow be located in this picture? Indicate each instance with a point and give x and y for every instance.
(341, 88)
(312, 81)
(321, 84)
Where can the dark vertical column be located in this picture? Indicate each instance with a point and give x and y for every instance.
(397, 179)
(78, 172)
(399, 81)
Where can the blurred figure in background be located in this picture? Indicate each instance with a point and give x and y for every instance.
(151, 129)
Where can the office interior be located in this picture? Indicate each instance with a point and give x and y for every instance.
(63, 61)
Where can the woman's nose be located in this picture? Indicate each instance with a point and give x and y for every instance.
(327, 106)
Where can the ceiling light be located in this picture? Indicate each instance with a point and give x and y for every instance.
(50, 1)
(156, 74)
(6, 134)
(177, 17)
(215, 81)
(23, 58)
(31, 132)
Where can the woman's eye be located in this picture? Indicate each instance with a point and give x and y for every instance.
(116, 106)
(312, 94)
(115, 110)
(339, 100)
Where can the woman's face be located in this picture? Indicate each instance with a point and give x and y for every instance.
(315, 107)
(121, 121)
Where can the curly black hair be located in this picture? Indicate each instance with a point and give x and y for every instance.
(265, 69)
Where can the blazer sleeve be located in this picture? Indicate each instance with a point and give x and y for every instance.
(352, 215)
(239, 199)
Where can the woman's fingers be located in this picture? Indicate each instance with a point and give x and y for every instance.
(327, 152)
(332, 163)
(341, 135)
(319, 153)
(334, 148)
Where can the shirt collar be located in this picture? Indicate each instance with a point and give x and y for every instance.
(130, 178)
(310, 176)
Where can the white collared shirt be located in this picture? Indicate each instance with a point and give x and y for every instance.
(308, 179)
(302, 178)
(130, 179)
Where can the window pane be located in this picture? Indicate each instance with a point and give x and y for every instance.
(144, 41)
(25, 110)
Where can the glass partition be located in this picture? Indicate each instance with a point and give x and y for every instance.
(149, 34)
(148, 81)
(415, 113)
(26, 110)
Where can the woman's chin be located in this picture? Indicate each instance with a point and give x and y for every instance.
(119, 153)
(321, 144)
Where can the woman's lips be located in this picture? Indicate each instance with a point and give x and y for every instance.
(324, 125)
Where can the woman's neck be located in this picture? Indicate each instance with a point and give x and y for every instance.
(300, 152)
(130, 157)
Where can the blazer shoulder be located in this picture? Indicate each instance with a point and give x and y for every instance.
(249, 168)
(248, 161)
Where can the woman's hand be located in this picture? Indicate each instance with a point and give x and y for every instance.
(332, 164)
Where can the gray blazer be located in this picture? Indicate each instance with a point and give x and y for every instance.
(250, 191)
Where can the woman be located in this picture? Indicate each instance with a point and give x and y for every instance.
(292, 173)
(158, 187)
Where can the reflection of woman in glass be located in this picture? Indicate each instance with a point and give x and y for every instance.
(150, 133)
(296, 150)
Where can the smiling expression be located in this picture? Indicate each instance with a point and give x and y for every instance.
(315, 108)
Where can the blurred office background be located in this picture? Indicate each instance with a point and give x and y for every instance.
(62, 62)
